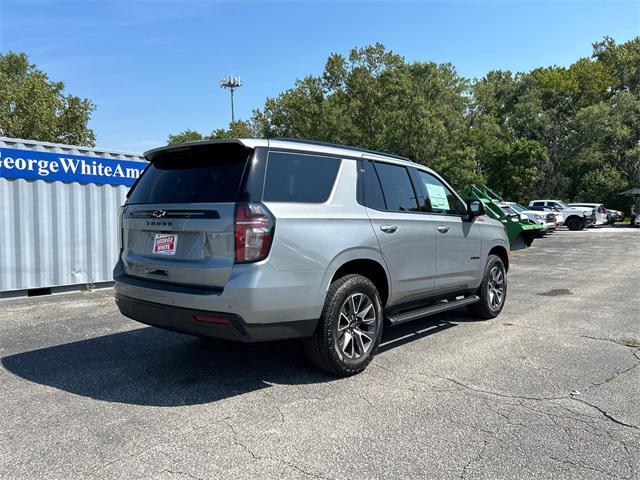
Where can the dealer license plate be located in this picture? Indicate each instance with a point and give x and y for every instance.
(165, 244)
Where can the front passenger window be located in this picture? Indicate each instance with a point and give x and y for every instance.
(439, 198)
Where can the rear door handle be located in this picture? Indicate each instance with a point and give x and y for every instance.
(388, 228)
(443, 228)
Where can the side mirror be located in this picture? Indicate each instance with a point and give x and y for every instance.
(475, 208)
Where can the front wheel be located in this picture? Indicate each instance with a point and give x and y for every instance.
(575, 224)
(348, 333)
(492, 291)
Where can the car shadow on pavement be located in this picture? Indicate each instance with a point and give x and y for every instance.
(149, 366)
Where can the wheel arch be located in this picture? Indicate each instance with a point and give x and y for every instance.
(501, 252)
(366, 262)
(371, 269)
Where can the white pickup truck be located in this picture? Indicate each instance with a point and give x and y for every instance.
(575, 218)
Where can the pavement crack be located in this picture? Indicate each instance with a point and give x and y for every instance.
(474, 459)
(299, 469)
(606, 414)
(622, 342)
(500, 394)
(184, 474)
(586, 467)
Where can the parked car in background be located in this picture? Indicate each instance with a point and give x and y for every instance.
(602, 217)
(575, 218)
(559, 218)
(615, 216)
(546, 219)
(255, 240)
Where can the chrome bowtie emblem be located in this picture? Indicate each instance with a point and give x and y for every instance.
(159, 213)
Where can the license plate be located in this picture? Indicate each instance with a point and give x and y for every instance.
(165, 244)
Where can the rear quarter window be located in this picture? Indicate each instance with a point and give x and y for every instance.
(299, 178)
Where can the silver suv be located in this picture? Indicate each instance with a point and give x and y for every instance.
(255, 240)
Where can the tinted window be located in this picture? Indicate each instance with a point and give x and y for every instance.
(396, 187)
(438, 197)
(538, 204)
(373, 197)
(293, 177)
(196, 174)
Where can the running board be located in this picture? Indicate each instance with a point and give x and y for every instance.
(432, 309)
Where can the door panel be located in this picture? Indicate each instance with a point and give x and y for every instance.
(409, 252)
(458, 241)
(458, 251)
(407, 240)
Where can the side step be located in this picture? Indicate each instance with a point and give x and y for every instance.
(432, 309)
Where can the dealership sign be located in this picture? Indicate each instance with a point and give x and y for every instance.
(33, 165)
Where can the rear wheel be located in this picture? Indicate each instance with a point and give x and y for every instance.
(492, 291)
(348, 333)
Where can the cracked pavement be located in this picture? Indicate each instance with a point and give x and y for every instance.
(549, 389)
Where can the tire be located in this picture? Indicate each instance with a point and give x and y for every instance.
(486, 308)
(574, 223)
(333, 347)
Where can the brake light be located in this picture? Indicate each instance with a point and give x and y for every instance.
(253, 232)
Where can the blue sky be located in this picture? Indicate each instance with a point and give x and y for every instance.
(152, 67)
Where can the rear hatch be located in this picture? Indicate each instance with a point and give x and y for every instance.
(178, 223)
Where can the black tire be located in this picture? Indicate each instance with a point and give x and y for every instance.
(322, 347)
(574, 223)
(483, 309)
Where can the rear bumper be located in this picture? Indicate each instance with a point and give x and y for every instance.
(271, 304)
(209, 324)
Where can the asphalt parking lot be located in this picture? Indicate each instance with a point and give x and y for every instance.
(550, 389)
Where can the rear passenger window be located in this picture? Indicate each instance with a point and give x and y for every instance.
(396, 187)
(373, 197)
(538, 204)
(294, 177)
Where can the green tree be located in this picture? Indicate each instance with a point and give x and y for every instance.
(184, 136)
(602, 185)
(35, 108)
(623, 61)
(374, 99)
(237, 129)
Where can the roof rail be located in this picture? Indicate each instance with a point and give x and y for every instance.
(338, 145)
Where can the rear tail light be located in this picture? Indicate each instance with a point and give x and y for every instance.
(253, 232)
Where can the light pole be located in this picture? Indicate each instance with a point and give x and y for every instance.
(231, 83)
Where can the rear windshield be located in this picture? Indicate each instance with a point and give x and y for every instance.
(194, 174)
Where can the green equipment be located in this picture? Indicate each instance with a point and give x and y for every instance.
(520, 229)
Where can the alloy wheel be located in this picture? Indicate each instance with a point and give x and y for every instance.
(357, 326)
(496, 288)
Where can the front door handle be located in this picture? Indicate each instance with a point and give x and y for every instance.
(443, 228)
(388, 228)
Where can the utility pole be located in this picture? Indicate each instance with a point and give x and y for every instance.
(231, 83)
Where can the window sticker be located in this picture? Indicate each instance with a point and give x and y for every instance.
(438, 197)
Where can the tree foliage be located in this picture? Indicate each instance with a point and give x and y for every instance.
(567, 132)
(33, 107)
(237, 129)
